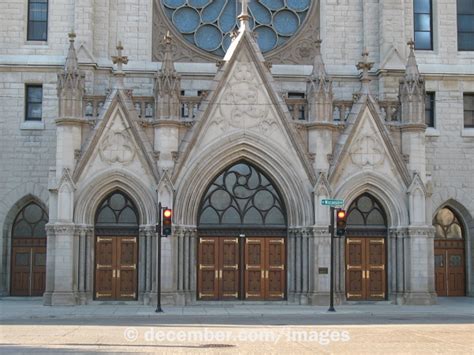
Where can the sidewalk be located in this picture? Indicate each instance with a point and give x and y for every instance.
(32, 308)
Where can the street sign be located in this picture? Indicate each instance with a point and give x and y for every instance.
(332, 202)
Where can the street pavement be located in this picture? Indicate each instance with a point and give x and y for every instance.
(221, 328)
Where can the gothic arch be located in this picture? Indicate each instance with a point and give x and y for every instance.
(99, 186)
(467, 222)
(6, 241)
(385, 192)
(198, 174)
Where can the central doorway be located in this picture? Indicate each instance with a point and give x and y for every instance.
(242, 238)
(366, 250)
(116, 249)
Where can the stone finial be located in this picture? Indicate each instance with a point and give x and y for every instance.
(319, 69)
(167, 65)
(365, 66)
(119, 59)
(71, 84)
(71, 64)
(411, 72)
(319, 89)
(244, 16)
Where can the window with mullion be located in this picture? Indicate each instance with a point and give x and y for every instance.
(34, 103)
(469, 110)
(465, 9)
(430, 109)
(423, 24)
(37, 20)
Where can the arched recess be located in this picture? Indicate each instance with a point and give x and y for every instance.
(366, 249)
(28, 251)
(453, 249)
(390, 197)
(9, 218)
(116, 248)
(93, 191)
(242, 237)
(289, 177)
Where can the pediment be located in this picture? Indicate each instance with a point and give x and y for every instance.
(243, 102)
(117, 142)
(365, 145)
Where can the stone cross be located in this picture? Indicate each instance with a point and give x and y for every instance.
(119, 59)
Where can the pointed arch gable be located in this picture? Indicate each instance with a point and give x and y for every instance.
(99, 186)
(390, 197)
(191, 184)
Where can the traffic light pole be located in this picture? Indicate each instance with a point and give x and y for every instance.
(158, 262)
(331, 294)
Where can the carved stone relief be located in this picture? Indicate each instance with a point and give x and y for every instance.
(117, 147)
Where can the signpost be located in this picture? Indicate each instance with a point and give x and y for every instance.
(332, 203)
(158, 262)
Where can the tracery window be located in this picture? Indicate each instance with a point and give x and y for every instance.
(30, 222)
(366, 211)
(242, 195)
(208, 24)
(116, 214)
(447, 225)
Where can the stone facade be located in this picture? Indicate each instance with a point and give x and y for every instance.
(136, 122)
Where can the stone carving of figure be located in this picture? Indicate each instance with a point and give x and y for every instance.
(148, 110)
(138, 109)
(89, 109)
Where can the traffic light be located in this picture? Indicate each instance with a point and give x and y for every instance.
(166, 220)
(341, 222)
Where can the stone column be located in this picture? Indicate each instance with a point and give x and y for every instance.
(83, 245)
(321, 265)
(299, 267)
(64, 277)
(185, 243)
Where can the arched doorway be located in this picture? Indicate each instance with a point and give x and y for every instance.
(28, 261)
(449, 254)
(366, 251)
(242, 238)
(116, 248)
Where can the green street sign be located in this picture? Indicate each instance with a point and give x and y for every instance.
(332, 202)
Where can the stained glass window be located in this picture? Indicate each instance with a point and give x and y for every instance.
(30, 222)
(366, 211)
(242, 195)
(447, 225)
(117, 210)
(208, 24)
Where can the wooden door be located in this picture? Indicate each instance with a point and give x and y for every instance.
(28, 271)
(254, 268)
(229, 271)
(365, 268)
(208, 268)
(450, 277)
(116, 268)
(275, 273)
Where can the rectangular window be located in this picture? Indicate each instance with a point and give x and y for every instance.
(430, 109)
(37, 20)
(423, 24)
(468, 110)
(465, 25)
(34, 102)
(297, 101)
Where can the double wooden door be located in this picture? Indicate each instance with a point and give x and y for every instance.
(28, 276)
(116, 268)
(365, 268)
(450, 268)
(241, 268)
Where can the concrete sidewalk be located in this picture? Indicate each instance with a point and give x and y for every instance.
(32, 308)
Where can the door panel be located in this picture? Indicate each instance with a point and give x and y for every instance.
(456, 277)
(275, 268)
(229, 268)
(254, 268)
(21, 267)
(126, 268)
(365, 268)
(208, 268)
(440, 272)
(105, 256)
(38, 281)
(375, 268)
(355, 255)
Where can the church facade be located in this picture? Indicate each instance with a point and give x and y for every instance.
(240, 117)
